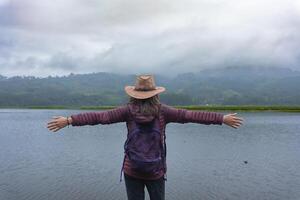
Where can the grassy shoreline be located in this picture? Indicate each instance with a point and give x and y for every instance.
(280, 108)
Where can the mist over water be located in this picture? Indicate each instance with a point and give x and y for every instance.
(258, 161)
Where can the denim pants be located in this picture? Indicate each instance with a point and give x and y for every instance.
(135, 188)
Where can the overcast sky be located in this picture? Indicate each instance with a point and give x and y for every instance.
(56, 37)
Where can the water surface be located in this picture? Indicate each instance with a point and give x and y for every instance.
(204, 161)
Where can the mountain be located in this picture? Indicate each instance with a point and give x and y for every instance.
(224, 86)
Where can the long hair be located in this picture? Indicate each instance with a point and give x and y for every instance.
(149, 106)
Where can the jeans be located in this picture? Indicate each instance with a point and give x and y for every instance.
(135, 188)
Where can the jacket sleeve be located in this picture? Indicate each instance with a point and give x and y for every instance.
(172, 114)
(115, 115)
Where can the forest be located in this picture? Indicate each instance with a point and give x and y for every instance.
(219, 86)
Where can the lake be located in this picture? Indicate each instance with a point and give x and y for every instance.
(260, 160)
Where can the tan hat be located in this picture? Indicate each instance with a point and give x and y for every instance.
(144, 87)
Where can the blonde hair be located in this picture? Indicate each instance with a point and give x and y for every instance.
(149, 106)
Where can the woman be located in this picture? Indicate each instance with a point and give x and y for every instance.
(145, 148)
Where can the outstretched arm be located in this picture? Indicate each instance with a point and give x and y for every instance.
(115, 115)
(203, 117)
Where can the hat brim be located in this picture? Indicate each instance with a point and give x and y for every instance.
(143, 94)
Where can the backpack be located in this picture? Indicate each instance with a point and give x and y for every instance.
(144, 147)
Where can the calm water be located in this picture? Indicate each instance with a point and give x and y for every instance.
(204, 161)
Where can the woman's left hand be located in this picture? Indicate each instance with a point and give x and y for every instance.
(232, 120)
(57, 123)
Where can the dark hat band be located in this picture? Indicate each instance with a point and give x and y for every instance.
(144, 89)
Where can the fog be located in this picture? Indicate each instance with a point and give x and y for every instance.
(42, 38)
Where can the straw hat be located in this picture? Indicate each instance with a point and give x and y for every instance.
(144, 87)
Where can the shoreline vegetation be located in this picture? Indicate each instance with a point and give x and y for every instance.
(279, 108)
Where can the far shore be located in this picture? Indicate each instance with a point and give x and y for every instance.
(279, 108)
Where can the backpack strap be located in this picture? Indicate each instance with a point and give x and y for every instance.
(122, 167)
(161, 115)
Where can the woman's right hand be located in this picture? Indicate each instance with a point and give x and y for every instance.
(57, 123)
(232, 120)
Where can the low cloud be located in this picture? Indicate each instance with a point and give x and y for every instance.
(83, 36)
